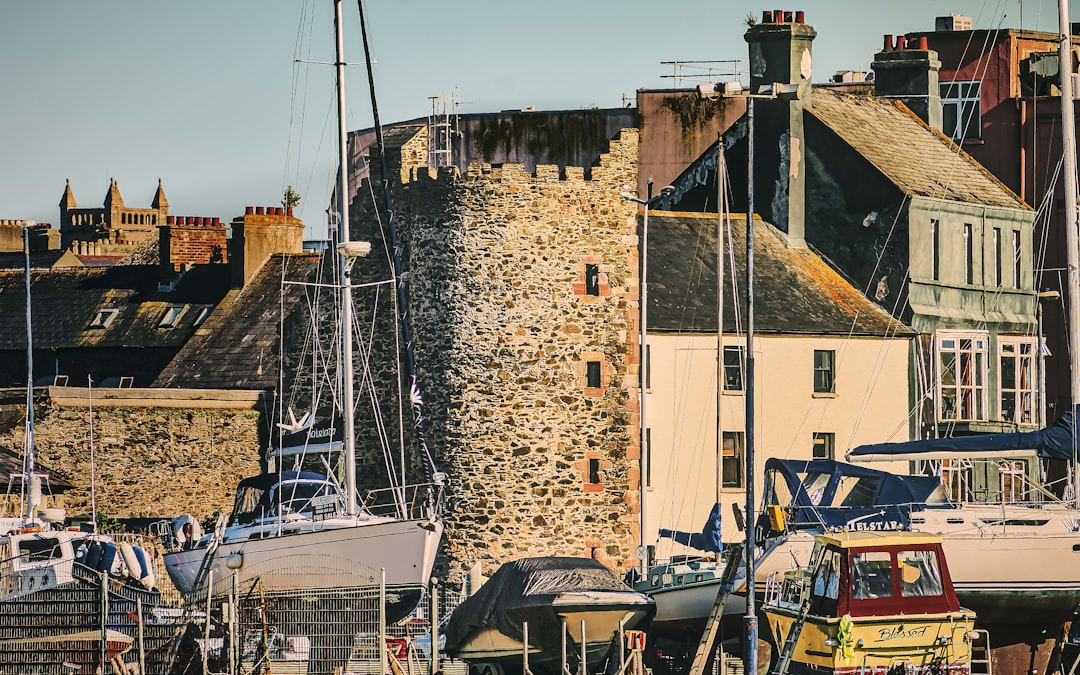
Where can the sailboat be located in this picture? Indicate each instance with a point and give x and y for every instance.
(300, 530)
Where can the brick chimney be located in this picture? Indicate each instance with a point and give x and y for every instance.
(780, 54)
(191, 240)
(261, 232)
(908, 71)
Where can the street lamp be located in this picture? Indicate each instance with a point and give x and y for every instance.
(643, 297)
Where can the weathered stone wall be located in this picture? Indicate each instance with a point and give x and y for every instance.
(152, 458)
(538, 462)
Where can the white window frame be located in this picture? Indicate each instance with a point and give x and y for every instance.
(172, 315)
(967, 385)
(104, 317)
(1024, 387)
(961, 100)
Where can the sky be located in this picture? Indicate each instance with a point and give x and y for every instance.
(207, 95)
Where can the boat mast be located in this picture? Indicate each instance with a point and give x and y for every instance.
(399, 279)
(346, 271)
(28, 442)
(720, 177)
(1068, 130)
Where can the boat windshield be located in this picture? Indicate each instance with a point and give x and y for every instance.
(872, 575)
(920, 574)
(301, 496)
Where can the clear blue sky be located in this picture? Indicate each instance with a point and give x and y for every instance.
(205, 94)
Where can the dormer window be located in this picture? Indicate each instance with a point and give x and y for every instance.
(103, 318)
(172, 316)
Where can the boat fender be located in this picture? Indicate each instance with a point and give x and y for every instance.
(147, 577)
(235, 560)
(108, 557)
(93, 555)
(131, 562)
(845, 636)
(80, 552)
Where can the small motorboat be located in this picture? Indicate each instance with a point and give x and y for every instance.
(870, 602)
(540, 596)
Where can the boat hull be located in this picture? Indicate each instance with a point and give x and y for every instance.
(929, 643)
(317, 555)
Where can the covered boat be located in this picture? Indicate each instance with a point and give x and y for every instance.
(487, 629)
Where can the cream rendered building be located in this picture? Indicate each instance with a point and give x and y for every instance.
(832, 370)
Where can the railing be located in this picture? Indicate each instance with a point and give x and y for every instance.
(409, 501)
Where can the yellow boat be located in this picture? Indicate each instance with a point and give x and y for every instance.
(872, 603)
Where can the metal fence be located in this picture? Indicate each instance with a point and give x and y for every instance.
(94, 619)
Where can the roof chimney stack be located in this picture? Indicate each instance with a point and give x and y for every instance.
(910, 75)
(781, 54)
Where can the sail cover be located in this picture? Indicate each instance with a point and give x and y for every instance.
(1054, 442)
(522, 591)
(708, 540)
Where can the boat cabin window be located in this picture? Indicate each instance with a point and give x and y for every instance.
(856, 491)
(871, 575)
(247, 503)
(827, 577)
(776, 489)
(815, 484)
(39, 550)
(920, 574)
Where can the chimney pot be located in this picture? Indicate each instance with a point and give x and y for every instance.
(766, 16)
(289, 212)
(259, 211)
(280, 210)
(217, 222)
(249, 210)
(901, 42)
(887, 47)
(170, 220)
(788, 18)
(778, 15)
(924, 43)
(800, 16)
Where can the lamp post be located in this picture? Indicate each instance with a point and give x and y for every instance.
(643, 297)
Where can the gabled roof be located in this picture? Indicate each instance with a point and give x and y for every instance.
(919, 160)
(795, 291)
(238, 345)
(71, 307)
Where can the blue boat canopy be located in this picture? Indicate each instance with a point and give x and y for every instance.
(1054, 442)
(827, 494)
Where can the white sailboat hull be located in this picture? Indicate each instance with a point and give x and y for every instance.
(312, 555)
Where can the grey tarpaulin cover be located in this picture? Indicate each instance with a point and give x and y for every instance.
(523, 590)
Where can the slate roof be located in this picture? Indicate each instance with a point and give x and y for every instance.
(238, 346)
(66, 301)
(919, 160)
(795, 290)
(40, 260)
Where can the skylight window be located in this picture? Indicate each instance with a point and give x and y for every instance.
(201, 316)
(103, 318)
(172, 316)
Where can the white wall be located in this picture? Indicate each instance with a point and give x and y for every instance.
(870, 405)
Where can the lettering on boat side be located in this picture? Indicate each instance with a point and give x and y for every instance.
(320, 433)
(898, 633)
(873, 526)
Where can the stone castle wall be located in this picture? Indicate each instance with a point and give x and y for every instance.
(539, 463)
(152, 457)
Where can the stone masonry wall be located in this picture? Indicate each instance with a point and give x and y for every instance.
(150, 460)
(539, 462)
